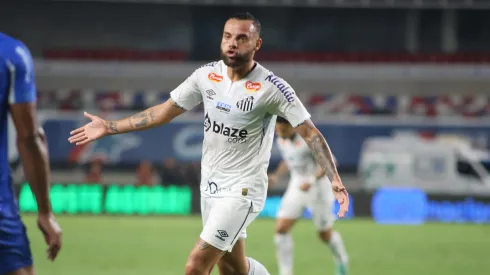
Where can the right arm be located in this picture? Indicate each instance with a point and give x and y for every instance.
(281, 170)
(155, 116)
(31, 142)
(183, 98)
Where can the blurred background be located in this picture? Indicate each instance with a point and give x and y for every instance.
(399, 88)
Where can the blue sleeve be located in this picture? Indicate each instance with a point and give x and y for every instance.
(21, 68)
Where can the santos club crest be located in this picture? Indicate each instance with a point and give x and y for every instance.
(246, 104)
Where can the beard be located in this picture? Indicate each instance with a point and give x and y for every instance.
(237, 61)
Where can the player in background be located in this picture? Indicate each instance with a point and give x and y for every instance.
(308, 187)
(18, 94)
(241, 100)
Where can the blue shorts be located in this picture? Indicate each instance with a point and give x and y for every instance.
(15, 251)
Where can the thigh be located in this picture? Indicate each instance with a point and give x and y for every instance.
(22, 271)
(227, 220)
(293, 204)
(234, 262)
(15, 252)
(321, 204)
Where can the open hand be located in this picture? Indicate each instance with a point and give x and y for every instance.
(52, 234)
(341, 195)
(93, 130)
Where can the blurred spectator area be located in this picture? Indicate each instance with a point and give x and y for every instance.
(325, 103)
(105, 31)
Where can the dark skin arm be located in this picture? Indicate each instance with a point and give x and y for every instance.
(33, 151)
(325, 159)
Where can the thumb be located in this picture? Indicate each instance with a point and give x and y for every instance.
(89, 116)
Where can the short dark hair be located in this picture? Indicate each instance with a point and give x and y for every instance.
(281, 120)
(247, 16)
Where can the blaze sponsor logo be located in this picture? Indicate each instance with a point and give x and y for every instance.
(253, 86)
(215, 77)
(279, 83)
(235, 135)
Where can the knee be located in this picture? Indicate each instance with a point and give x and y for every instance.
(325, 235)
(194, 267)
(282, 228)
(225, 268)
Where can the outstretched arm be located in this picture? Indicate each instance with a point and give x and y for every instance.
(149, 118)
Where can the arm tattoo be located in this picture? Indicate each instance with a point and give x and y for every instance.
(152, 114)
(144, 120)
(323, 155)
(113, 127)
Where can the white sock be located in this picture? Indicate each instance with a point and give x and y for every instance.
(336, 244)
(284, 253)
(256, 268)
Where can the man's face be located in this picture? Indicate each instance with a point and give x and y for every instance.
(239, 43)
(284, 130)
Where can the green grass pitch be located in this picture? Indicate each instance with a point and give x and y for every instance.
(117, 245)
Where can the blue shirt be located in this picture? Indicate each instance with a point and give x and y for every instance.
(17, 85)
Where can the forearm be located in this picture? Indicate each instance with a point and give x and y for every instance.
(149, 118)
(281, 169)
(35, 158)
(323, 154)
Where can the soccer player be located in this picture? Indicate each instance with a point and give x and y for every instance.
(308, 187)
(18, 94)
(241, 100)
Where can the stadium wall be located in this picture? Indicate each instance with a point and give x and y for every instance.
(386, 205)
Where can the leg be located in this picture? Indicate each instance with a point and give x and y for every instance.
(202, 259)
(292, 207)
(224, 219)
(236, 263)
(23, 271)
(322, 204)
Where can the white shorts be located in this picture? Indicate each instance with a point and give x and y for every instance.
(225, 220)
(319, 199)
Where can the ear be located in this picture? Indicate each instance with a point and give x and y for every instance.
(258, 44)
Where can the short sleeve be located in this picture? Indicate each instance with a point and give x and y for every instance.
(285, 103)
(22, 86)
(187, 94)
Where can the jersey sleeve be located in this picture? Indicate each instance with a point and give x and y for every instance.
(285, 103)
(187, 95)
(22, 85)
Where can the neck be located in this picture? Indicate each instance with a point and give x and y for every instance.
(236, 74)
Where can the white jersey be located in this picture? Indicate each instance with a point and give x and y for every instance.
(298, 157)
(238, 127)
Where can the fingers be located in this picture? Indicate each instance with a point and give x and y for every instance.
(78, 137)
(76, 131)
(343, 199)
(54, 246)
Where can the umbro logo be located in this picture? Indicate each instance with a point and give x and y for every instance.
(222, 235)
(210, 93)
(246, 104)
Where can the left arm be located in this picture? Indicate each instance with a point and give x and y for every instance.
(285, 103)
(320, 150)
